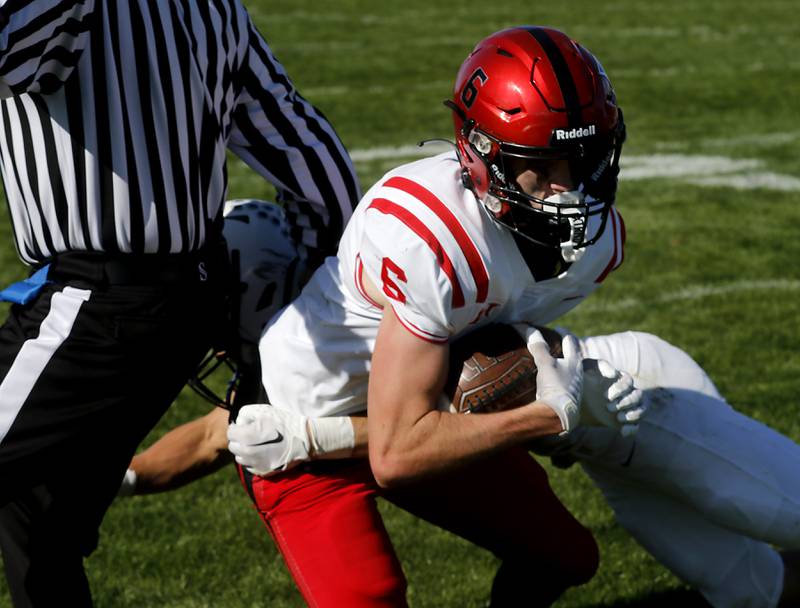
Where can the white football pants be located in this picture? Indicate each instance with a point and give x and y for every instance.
(702, 487)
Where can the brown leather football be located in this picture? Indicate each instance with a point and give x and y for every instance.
(491, 370)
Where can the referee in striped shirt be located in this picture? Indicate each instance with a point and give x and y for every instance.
(115, 116)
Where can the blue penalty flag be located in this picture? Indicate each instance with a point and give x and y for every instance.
(25, 290)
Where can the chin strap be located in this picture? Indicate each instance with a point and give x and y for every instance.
(577, 228)
(577, 222)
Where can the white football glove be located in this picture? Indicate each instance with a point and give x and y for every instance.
(267, 439)
(558, 381)
(610, 398)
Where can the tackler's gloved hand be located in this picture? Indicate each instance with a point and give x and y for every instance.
(610, 398)
(266, 439)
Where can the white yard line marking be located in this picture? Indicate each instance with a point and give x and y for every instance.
(762, 180)
(701, 170)
(444, 86)
(692, 293)
(761, 140)
(680, 165)
(400, 152)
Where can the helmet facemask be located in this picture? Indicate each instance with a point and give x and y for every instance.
(200, 381)
(558, 221)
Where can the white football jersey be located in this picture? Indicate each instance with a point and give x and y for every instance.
(445, 266)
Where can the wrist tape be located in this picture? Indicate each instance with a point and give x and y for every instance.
(331, 437)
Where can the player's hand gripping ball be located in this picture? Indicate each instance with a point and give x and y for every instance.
(491, 370)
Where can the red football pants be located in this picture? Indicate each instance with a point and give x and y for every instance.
(325, 521)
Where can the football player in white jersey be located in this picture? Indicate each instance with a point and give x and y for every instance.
(515, 225)
(703, 488)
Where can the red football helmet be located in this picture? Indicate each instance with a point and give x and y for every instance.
(533, 93)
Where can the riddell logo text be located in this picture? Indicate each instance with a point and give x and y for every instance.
(576, 132)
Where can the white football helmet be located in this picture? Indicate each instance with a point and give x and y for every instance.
(263, 253)
(268, 270)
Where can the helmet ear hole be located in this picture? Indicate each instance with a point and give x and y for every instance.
(466, 179)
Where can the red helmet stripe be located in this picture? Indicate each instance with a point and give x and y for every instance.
(415, 224)
(468, 249)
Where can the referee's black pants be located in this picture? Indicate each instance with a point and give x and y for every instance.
(86, 370)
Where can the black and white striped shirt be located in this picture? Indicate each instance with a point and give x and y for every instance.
(115, 116)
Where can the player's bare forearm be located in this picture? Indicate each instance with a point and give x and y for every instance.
(408, 436)
(187, 453)
(440, 441)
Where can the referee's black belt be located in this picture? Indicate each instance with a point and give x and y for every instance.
(98, 268)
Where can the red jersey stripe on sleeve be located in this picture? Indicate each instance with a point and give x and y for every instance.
(359, 281)
(612, 263)
(415, 224)
(430, 200)
(623, 236)
(420, 333)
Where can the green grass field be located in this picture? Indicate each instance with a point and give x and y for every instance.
(710, 192)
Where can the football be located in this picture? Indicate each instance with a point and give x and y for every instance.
(491, 370)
